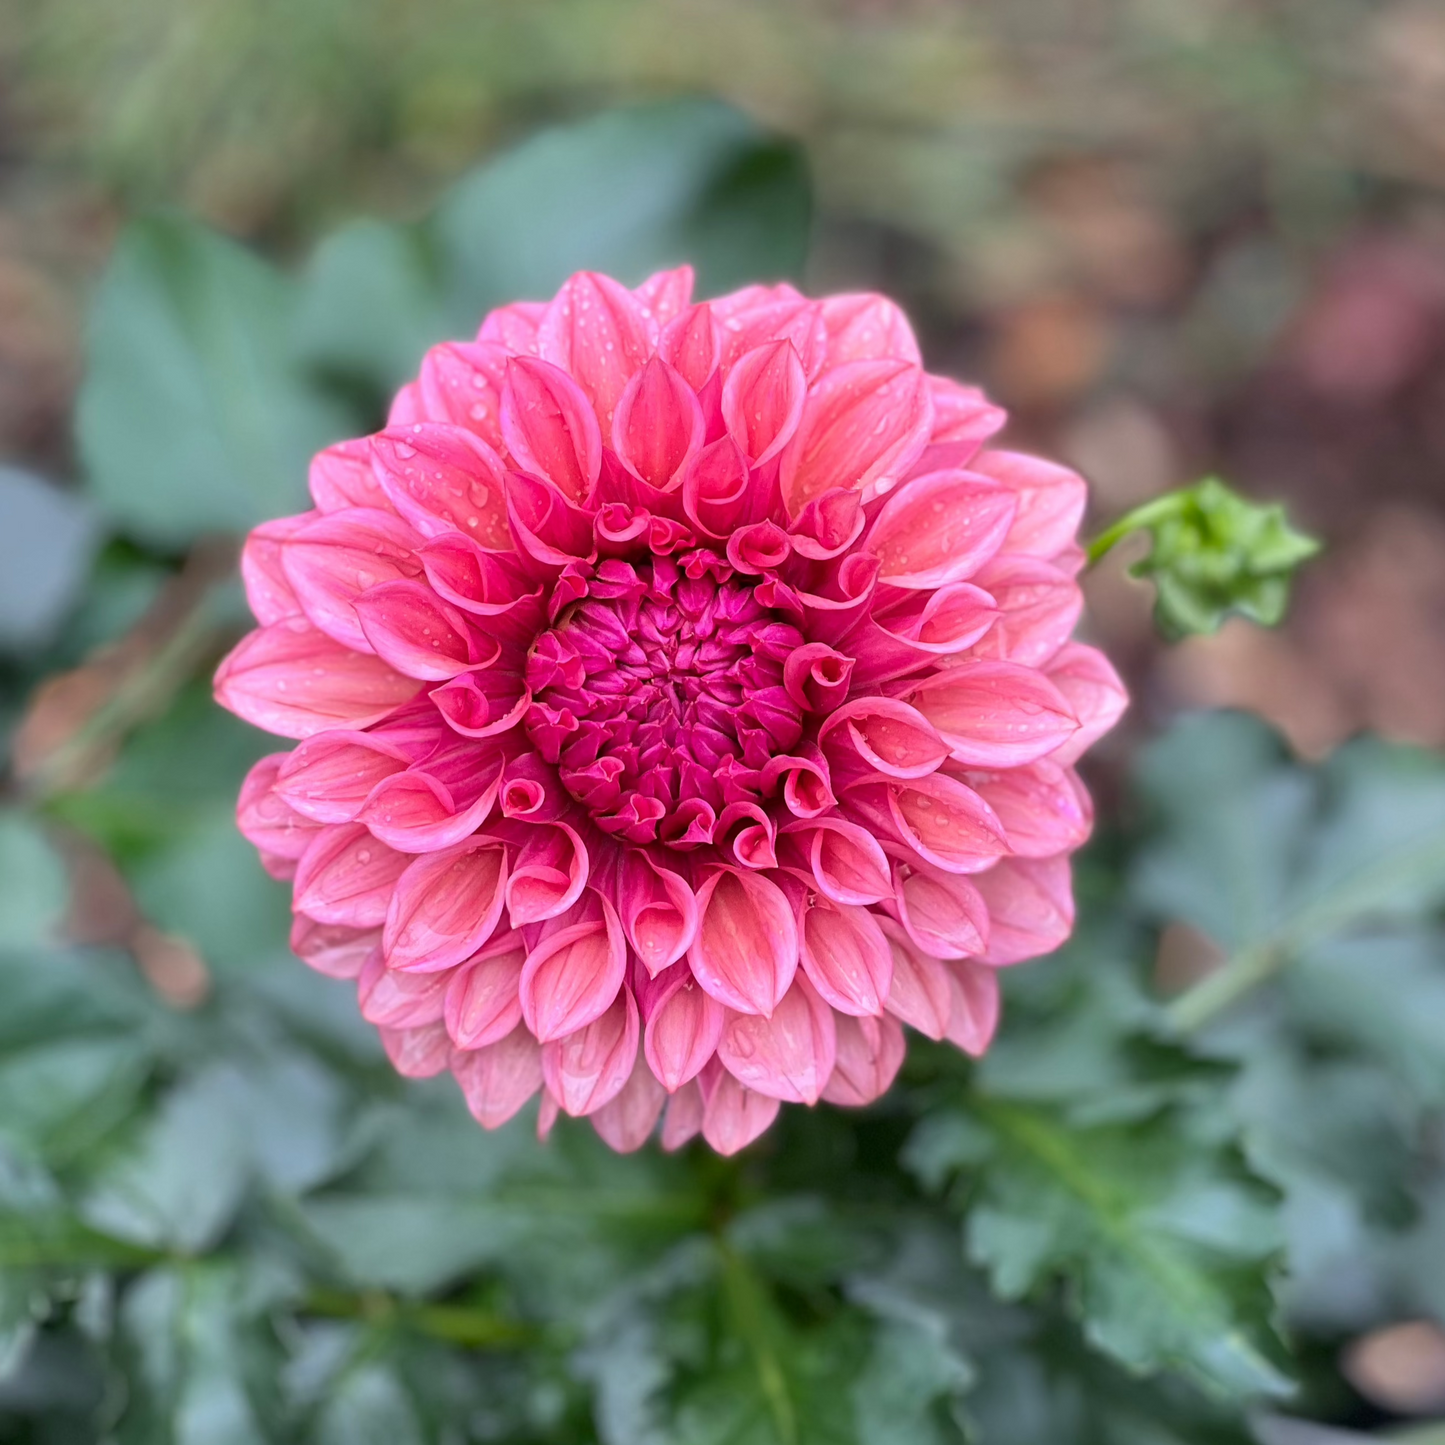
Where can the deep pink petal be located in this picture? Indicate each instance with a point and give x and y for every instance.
(762, 399)
(658, 910)
(600, 334)
(548, 874)
(940, 528)
(947, 823)
(409, 626)
(1039, 607)
(658, 426)
(396, 1000)
(550, 427)
(461, 383)
(887, 735)
(1044, 808)
(443, 479)
(514, 327)
(943, 914)
(692, 343)
(746, 950)
(683, 1119)
(332, 774)
(848, 865)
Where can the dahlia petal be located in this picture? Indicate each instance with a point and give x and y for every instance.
(864, 326)
(332, 560)
(445, 906)
(746, 950)
(482, 1004)
(974, 1008)
(1094, 691)
(441, 479)
(863, 425)
(1030, 908)
(266, 817)
(547, 529)
(588, 1068)
(482, 704)
(400, 1000)
(347, 877)
(816, 676)
(407, 625)
(548, 874)
(963, 418)
(414, 812)
(658, 427)
(889, 736)
(658, 910)
(788, 1056)
(1051, 501)
(683, 1119)
(945, 915)
(332, 949)
(461, 382)
(848, 864)
(498, 1079)
(1039, 606)
(572, 976)
(995, 714)
(550, 427)
(341, 478)
(269, 593)
(465, 574)
(757, 314)
(514, 327)
(921, 994)
(762, 399)
(626, 1122)
(734, 1115)
(420, 1053)
(692, 343)
(940, 528)
(598, 332)
(846, 957)
(684, 1024)
(1044, 808)
(715, 488)
(292, 680)
(548, 1112)
(330, 775)
(946, 823)
(828, 525)
(807, 782)
(870, 1053)
(665, 294)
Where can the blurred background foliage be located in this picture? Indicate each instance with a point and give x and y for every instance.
(1197, 1191)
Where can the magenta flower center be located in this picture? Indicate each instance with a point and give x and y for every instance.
(659, 696)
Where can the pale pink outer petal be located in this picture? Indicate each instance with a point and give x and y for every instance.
(461, 382)
(400, 1000)
(863, 326)
(572, 977)
(514, 326)
(863, 425)
(420, 1053)
(942, 913)
(734, 1115)
(1051, 501)
(1030, 907)
(846, 957)
(626, 1122)
(963, 418)
(746, 950)
(684, 1025)
(498, 1079)
(294, 681)
(266, 818)
(870, 1053)
(483, 1003)
(996, 714)
(940, 528)
(445, 906)
(443, 479)
(347, 877)
(333, 949)
(946, 823)
(666, 294)
(1043, 807)
(1093, 689)
(599, 333)
(331, 774)
(269, 593)
(788, 1056)
(1040, 605)
(341, 477)
(683, 1119)
(973, 1017)
(588, 1068)
(921, 994)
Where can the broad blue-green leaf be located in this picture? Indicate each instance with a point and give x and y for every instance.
(34, 892)
(47, 537)
(370, 1406)
(194, 415)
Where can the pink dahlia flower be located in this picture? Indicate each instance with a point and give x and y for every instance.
(685, 702)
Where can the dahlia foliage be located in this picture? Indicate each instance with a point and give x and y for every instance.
(685, 702)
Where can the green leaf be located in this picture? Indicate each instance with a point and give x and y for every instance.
(1213, 553)
(36, 891)
(1159, 1231)
(194, 415)
(370, 1407)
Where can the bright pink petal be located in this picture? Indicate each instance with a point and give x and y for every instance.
(588, 1068)
(268, 590)
(963, 419)
(443, 479)
(658, 426)
(482, 1002)
(996, 714)
(863, 425)
(446, 905)
(684, 1024)
(1044, 808)
(514, 327)
(848, 865)
(973, 1017)
(788, 1056)
(692, 343)
(846, 957)
(665, 294)
(1051, 501)
(572, 976)
(341, 477)
(1030, 907)
(1094, 691)
(627, 1121)
(548, 874)
(400, 1000)
(347, 877)
(292, 680)
(461, 383)
(1039, 607)
(658, 910)
(944, 914)
(762, 400)
(864, 326)
(940, 528)
(409, 626)
(332, 774)
(746, 950)
(266, 817)
(945, 822)
(889, 736)
(870, 1053)
(550, 427)
(498, 1079)
(600, 334)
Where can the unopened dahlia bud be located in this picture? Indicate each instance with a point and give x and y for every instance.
(685, 702)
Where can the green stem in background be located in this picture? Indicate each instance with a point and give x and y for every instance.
(456, 1324)
(1221, 990)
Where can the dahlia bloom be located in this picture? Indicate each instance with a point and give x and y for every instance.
(685, 701)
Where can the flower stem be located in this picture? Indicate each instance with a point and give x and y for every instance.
(1145, 515)
(1222, 989)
